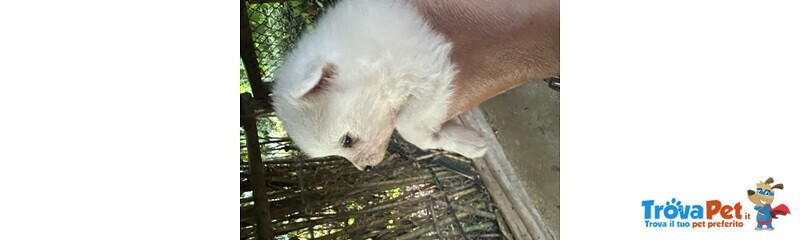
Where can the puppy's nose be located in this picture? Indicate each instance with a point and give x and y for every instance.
(367, 168)
(750, 192)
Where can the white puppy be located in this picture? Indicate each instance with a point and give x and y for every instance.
(369, 67)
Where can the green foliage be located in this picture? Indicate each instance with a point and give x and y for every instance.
(276, 27)
(244, 86)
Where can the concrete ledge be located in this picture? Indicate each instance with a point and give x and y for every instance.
(502, 182)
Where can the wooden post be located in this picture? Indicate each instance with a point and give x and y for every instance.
(257, 178)
(247, 51)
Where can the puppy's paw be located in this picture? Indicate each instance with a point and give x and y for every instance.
(462, 140)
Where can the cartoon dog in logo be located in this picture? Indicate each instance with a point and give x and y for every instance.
(762, 198)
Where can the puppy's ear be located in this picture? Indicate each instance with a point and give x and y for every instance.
(317, 79)
(778, 186)
(769, 180)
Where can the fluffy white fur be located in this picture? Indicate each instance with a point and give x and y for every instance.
(391, 70)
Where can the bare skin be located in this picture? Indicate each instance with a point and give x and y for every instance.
(497, 44)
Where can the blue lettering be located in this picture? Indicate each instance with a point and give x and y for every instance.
(646, 205)
(671, 210)
(697, 212)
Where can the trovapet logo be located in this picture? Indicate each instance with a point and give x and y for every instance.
(674, 214)
(715, 213)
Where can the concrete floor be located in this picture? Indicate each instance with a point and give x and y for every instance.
(526, 122)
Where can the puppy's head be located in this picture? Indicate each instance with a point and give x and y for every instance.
(765, 193)
(335, 109)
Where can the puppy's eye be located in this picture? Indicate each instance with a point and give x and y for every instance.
(347, 141)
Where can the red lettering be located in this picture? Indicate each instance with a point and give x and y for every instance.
(712, 207)
(726, 212)
(738, 208)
